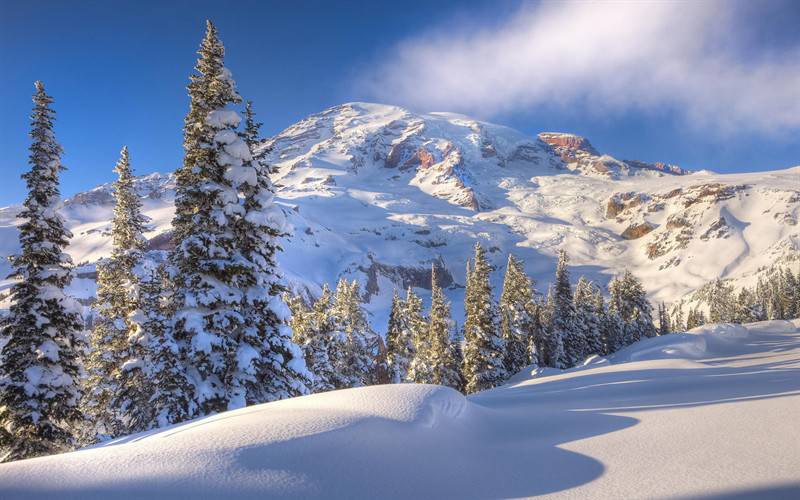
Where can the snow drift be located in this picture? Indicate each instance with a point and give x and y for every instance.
(710, 412)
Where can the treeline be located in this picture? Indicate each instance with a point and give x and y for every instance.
(498, 338)
(202, 331)
(776, 295)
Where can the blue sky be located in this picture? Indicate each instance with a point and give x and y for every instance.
(118, 72)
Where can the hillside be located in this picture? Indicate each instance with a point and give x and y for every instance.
(709, 413)
(378, 193)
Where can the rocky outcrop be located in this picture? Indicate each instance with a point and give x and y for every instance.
(620, 202)
(404, 276)
(636, 231)
(568, 146)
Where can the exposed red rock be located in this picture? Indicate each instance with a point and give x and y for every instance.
(569, 142)
(635, 231)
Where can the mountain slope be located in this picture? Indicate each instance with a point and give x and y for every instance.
(378, 193)
(723, 401)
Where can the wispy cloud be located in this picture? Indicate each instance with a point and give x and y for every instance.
(691, 58)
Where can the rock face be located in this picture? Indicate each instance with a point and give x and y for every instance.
(635, 231)
(579, 152)
(568, 145)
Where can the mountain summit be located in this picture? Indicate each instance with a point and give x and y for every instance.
(378, 193)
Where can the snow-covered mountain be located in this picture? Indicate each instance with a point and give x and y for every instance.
(378, 193)
(707, 414)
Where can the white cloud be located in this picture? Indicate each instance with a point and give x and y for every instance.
(689, 57)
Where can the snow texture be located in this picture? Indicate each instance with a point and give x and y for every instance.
(710, 412)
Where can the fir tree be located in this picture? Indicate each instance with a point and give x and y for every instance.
(169, 397)
(443, 360)
(720, 302)
(588, 318)
(483, 345)
(663, 320)
(517, 320)
(276, 368)
(608, 323)
(629, 303)
(357, 354)
(39, 361)
(230, 319)
(563, 319)
(677, 321)
(399, 341)
(746, 308)
(415, 328)
(537, 341)
(313, 330)
(116, 384)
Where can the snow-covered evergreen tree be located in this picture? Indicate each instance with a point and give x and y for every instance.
(629, 303)
(116, 386)
(399, 348)
(720, 302)
(746, 309)
(483, 366)
(442, 357)
(169, 393)
(588, 319)
(664, 326)
(516, 316)
(41, 339)
(270, 365)
(209, 272)
(356, 359)
(607, 323)
(676, 317)
(415, 328)
(537, 341)
(230, 319)
(695, 318)
(314, 331)
(562, 323)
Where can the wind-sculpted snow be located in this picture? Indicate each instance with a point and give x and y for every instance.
(709, 413)
(377, 193)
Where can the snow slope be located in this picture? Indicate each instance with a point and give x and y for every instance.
(378, 193)
(709, 413)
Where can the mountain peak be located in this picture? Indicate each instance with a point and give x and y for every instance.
(568, 143)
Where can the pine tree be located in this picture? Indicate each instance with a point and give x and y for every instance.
(695, 318)
(169, 398)
(313, 330)
(537, 341)
(415, 328)
(553, 350)
(746, 308)
(39, 361)
(720, 302)
(789, 291)
(209, 285)
(587, 318)
(629, 303)
(357, 354)
(230, 319)
(483, 345)
(608, 324)
(270, 365)
(563, 319)
(115, 385)
(516, 315)
(676, 320)
(399, 341)
(442, 357)
(663, 320)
